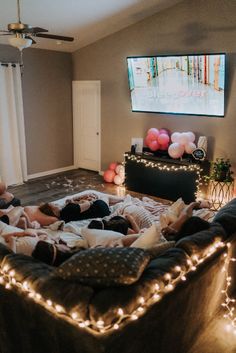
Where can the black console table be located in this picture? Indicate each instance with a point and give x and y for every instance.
(165, 178)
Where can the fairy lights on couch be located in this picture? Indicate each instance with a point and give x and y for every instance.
(169, 168)
(8, 278)
(229, 303)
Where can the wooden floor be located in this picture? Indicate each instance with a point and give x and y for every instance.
(56, 186)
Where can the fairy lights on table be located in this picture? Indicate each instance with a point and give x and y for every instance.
(193, 167)
(8, 278)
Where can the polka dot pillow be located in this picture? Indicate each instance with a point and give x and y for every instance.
(105, 266)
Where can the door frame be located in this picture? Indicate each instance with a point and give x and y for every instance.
(76, 122)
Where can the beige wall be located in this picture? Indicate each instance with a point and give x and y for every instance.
(193, 26)
(47, 107)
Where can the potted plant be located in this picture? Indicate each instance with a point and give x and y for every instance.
(220, 170)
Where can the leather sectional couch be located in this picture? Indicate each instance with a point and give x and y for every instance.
(175, 298)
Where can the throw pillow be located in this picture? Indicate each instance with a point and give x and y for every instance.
(151, 237)
(105, 266)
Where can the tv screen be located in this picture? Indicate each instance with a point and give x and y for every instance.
(178, 84)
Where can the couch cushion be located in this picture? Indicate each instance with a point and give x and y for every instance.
(159, 249)
(39, 276)
(226, 216)
(106, 301)
(199, 243)
(105, 266)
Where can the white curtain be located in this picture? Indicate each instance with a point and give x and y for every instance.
(13, 165)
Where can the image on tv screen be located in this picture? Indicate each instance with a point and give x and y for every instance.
(178, 84)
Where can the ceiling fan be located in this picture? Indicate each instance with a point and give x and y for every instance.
(22, 34)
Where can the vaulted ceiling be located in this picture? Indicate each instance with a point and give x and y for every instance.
(85, 20)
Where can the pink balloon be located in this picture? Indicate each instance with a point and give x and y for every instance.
(146, 141)
(120, 169)
(183, 138)
(154, 145)
(109, 176)
(164, 131)
(175, 136)
(163, 139)
(113, 165)
(164, 147)
(153, 133)
(175, 150)
(191, 136)
(190, 147)
(150, 139)
(118, 180)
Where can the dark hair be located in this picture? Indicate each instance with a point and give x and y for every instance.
(192, 225)
(50, 254)
(44, 252)
(116, 223)
(47, 209)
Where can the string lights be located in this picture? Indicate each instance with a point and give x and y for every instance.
(229, 303)
(169, 168)
(8, 278)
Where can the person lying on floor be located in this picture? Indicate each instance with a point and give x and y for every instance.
(136, 219)
(16, 216)
(184, 225)
(83, 207)
(6, 198)
(47, 213)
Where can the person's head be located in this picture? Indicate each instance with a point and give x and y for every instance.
(50, 209)
(116, 224)
(50, 254)
(192, 225)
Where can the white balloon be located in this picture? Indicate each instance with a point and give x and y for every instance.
(183, 139)
(190, 147)
(118, 180)
(191, 136)
(175, 150)
(120, 169)
(175, 136)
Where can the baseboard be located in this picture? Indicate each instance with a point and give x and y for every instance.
(50, 172)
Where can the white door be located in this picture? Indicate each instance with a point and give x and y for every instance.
(86, 124)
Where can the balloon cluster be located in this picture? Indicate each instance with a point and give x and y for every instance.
(157, 139)
(181, 142)
(115, 174)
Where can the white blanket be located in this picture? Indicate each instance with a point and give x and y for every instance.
(148, 211)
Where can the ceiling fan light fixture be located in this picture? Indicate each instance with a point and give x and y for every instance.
(20, 42)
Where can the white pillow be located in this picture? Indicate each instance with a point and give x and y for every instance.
(7, 229)
(23, 245)
(151, 237)
(100, 237)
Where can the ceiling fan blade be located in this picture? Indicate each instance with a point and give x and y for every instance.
(36, 30)
(2, 30)
(53, 36)
(28, 37)
(6, 34)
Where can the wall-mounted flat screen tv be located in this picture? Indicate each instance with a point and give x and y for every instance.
(178, 84)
